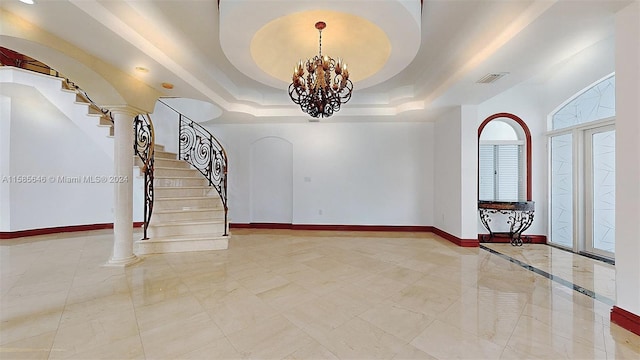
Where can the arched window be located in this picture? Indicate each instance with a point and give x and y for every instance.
(594, 103)
(504, 159)
(582, 171)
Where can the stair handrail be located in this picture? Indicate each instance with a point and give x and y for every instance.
(144, 147)
(79, 91)
(12, 58)
(198, 147)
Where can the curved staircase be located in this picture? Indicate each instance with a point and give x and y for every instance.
(188, 214)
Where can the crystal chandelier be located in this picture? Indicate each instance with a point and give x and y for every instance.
(325, 86)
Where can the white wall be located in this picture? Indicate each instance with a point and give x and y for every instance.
(628, 158)
(46, 144)
(165, 122)
(455, 171)
(5, 138)
(469, 172)
(448, 173)
(271, 172)
(576, 73)
(343, 173)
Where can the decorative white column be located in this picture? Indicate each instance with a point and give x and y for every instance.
(123, 188)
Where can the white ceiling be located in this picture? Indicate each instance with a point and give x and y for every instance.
(456, 43)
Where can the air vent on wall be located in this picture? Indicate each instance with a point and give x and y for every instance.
(491, 78)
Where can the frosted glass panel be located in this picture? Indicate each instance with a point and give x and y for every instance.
(562, 190)
(598, 102)
(604, 185)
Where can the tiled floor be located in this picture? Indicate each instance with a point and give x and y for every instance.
(304, 295)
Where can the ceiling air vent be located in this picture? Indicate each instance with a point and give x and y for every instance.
(491, 78)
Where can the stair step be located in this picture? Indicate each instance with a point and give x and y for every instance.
(165, 154)
(171, 163)
(187, 203)
(105, 121)
(191, 228)
(176, 181)
(171, 244)
(182, 172)
(168, 216)
(184, 191)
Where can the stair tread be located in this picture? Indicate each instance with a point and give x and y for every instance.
(187, 237)
(178, 177)
(172, 168)
(187, 197)
(184, 187)
(188, 223)
(173, 211)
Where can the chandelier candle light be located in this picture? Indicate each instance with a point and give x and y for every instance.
(326, 85)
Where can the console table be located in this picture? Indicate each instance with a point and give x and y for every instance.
(520, 217)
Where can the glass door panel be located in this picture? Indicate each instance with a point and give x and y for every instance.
(600, 189)
(561, 211)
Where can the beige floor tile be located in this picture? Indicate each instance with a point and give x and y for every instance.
(396, 320)
(36, 347)
(533, 338)
(235, 313)
(92, 332)
(129, 348)
(272, 338)
(287, 296)
(312, 351)
(446, 341)
(620, 343)
(167, 312)
(179, 337)
(409, 352)
(486, 313)
(216, 349)
(359, 339)
(304, 295)
(27, 316)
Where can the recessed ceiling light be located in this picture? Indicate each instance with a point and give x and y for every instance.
(29, 2)
(168, 86)
(142, 69)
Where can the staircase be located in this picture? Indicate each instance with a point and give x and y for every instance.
(104, 121)
(86, 116)
(188, 214)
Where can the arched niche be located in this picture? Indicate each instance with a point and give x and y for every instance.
(506, 128)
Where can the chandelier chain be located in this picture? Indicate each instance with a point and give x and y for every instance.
(320, 42)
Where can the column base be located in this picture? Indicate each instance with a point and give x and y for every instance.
(123, 262)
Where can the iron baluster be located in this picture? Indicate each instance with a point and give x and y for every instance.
(198, 147)
(143, 146)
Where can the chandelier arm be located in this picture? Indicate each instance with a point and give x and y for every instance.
(326, 85)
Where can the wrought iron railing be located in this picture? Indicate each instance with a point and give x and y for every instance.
(203, 151)
(144, 147)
